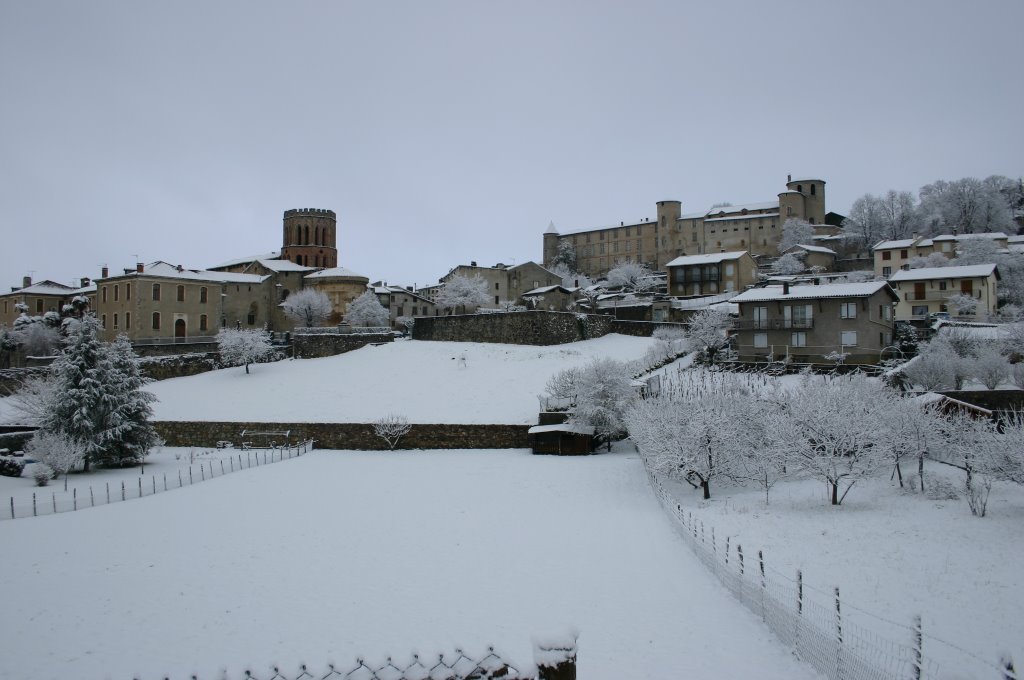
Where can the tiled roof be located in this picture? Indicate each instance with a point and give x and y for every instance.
(828, 290)
(710, 258)
(962, 272)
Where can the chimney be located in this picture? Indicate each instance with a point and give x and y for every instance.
(789, 178)
(26, 281)
(785, 287)
(85, 282)
(139, 268)
(105, 272)
(472, 263)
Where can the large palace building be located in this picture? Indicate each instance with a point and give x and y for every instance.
(755, 227)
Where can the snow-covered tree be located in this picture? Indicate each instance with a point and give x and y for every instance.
(463, 292)
(795, 232)
(570, 277)
(604, 390)
(965, 305)
(930, 372)
(308, 307)
(391, 428)
(839, 439)
(566, 256)
(94, 398)
(930, 260)
(57, 451)
(406, 322)
(790, 263)
(631, 277)
(707, 331)
(990, 367)
(8, 343)
(242, 346)
(966, 205)
(366, 310)
(38, 339)
(671, 342)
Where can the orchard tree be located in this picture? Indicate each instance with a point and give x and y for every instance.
(243, 346)
(707, 331)
(603, 391)
(463, 291)
(790, 263)
(60, 453)
(366, 310)
(308, 307)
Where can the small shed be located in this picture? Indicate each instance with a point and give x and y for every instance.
(563, 439)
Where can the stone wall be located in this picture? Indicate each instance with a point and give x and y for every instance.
(518, 328)
(16, 440)
(162, 368)
(11, 378)
(642, 329)
(349, 435)
(169, 349)
(330, 344)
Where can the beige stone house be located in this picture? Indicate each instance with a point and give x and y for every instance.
(555, 298)
(926, 291)
(815, 257)
(807, 323)
(505, 283)
(161, 302)
(403, 302)
(754, 227)
(40, 298)
(711, 274)
(892, 256)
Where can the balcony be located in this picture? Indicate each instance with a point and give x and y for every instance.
(911, 296)
(774, 324)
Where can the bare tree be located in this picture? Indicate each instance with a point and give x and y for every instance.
(241, 347)
(58, 451)
(707, 331)
(795, 232)
(604, 390)
(790, 263)
(391, 428)
(930, 372)
(631, 277)
(308, 307)
(991, 368)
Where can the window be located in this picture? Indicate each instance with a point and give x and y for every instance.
(156, 321)
(848, 310)
(127, 321)
(115, 322)
(536, 284)
(39, 306)
(919, 310)
(886, 254)
(156, 292)
(103, 322)
(117, 289)
(181, 293)
(203, 295)
(497, 286)
(127, 295)
(885, 312)
(848, 338)
(798, 339)
(886, 272)
(903, 254)
(760, 341)
(813, 193)
(495, 299)
(760, 317)
(798, 316)
(203, 323)
(103, 293)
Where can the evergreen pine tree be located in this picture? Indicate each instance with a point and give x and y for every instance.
(135, 433)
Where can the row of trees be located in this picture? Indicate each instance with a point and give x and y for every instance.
(954, 357)
(967, 205)
(714, 429)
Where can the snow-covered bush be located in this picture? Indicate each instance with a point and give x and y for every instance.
(366, 310)
(391, 428)
(707, 331)
(632, 277)
(790, 263)
(604, 390)
(990, 367)
(241, 347)
(57, 451)
(1017, 374)
(42, 474)
(11, 466)
(406, 322)
(965, 305)
(930, 372)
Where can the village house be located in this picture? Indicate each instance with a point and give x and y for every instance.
(505, 283)
(892, 256)
(848, 322)
(556, 298)
(815, 258)
(711, 274)
(403, 303)
(37, 298)
(926, 291)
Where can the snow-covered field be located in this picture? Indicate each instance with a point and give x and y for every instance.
(338, 554)
(893, 554)
(427, 382)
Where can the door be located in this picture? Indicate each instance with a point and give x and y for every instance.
(919, 291)
(179, 328)
(967, 287)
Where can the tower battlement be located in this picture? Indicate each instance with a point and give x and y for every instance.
(309, 212)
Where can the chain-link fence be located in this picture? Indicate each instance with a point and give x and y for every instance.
(553, 662)
(818, 625)
(49, 502)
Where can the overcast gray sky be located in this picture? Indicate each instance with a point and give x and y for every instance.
(444, 132)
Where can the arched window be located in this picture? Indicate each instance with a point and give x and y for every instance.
(156, 292)
(316, 235)
(813, 190)
(181, 293)
(128, 321)
(103, 322)
(307, 235)
(156, 321)
(251, 320)
(800, 188)
(204, 325)
(202, 295)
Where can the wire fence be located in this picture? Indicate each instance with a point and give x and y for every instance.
(554, 663)
(56, 501)
(820, 626)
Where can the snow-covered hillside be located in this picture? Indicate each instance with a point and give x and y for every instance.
(335, 555)
(428, 382)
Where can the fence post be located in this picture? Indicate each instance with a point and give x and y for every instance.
(727, 539)
(92, 500)
(74, 498)
(211, 469)
(34, 504)
(140, 487)
(232, 461)
(12, 507)
(739, 554)
(154, 484)
(222, 466)
(839, 637)
(918, 652)
(265, 458)
(179, 478)
(556, 660)
(53, 494)
(202, 472)
(764, 585)
(122, 489)
(165, 481)
(799, 608)
(190, 474)
(714, 544)
(108, 493)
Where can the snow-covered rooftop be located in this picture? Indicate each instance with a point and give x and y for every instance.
(709, 258)
(730, 209)
(563, 427)
(814, 249)
(734, 218)
(546, 289)
(252, 258)
(551, 228)
(994, 235)
(285, 266)
(962, 272)
(336, 273)
(828, 290)
(169, 271)
(902, 243)
(46, 288)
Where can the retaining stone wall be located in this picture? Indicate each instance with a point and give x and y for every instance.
(642, 329)
(162, 368)
(517, 328)
(330, 344)
(349, 435)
